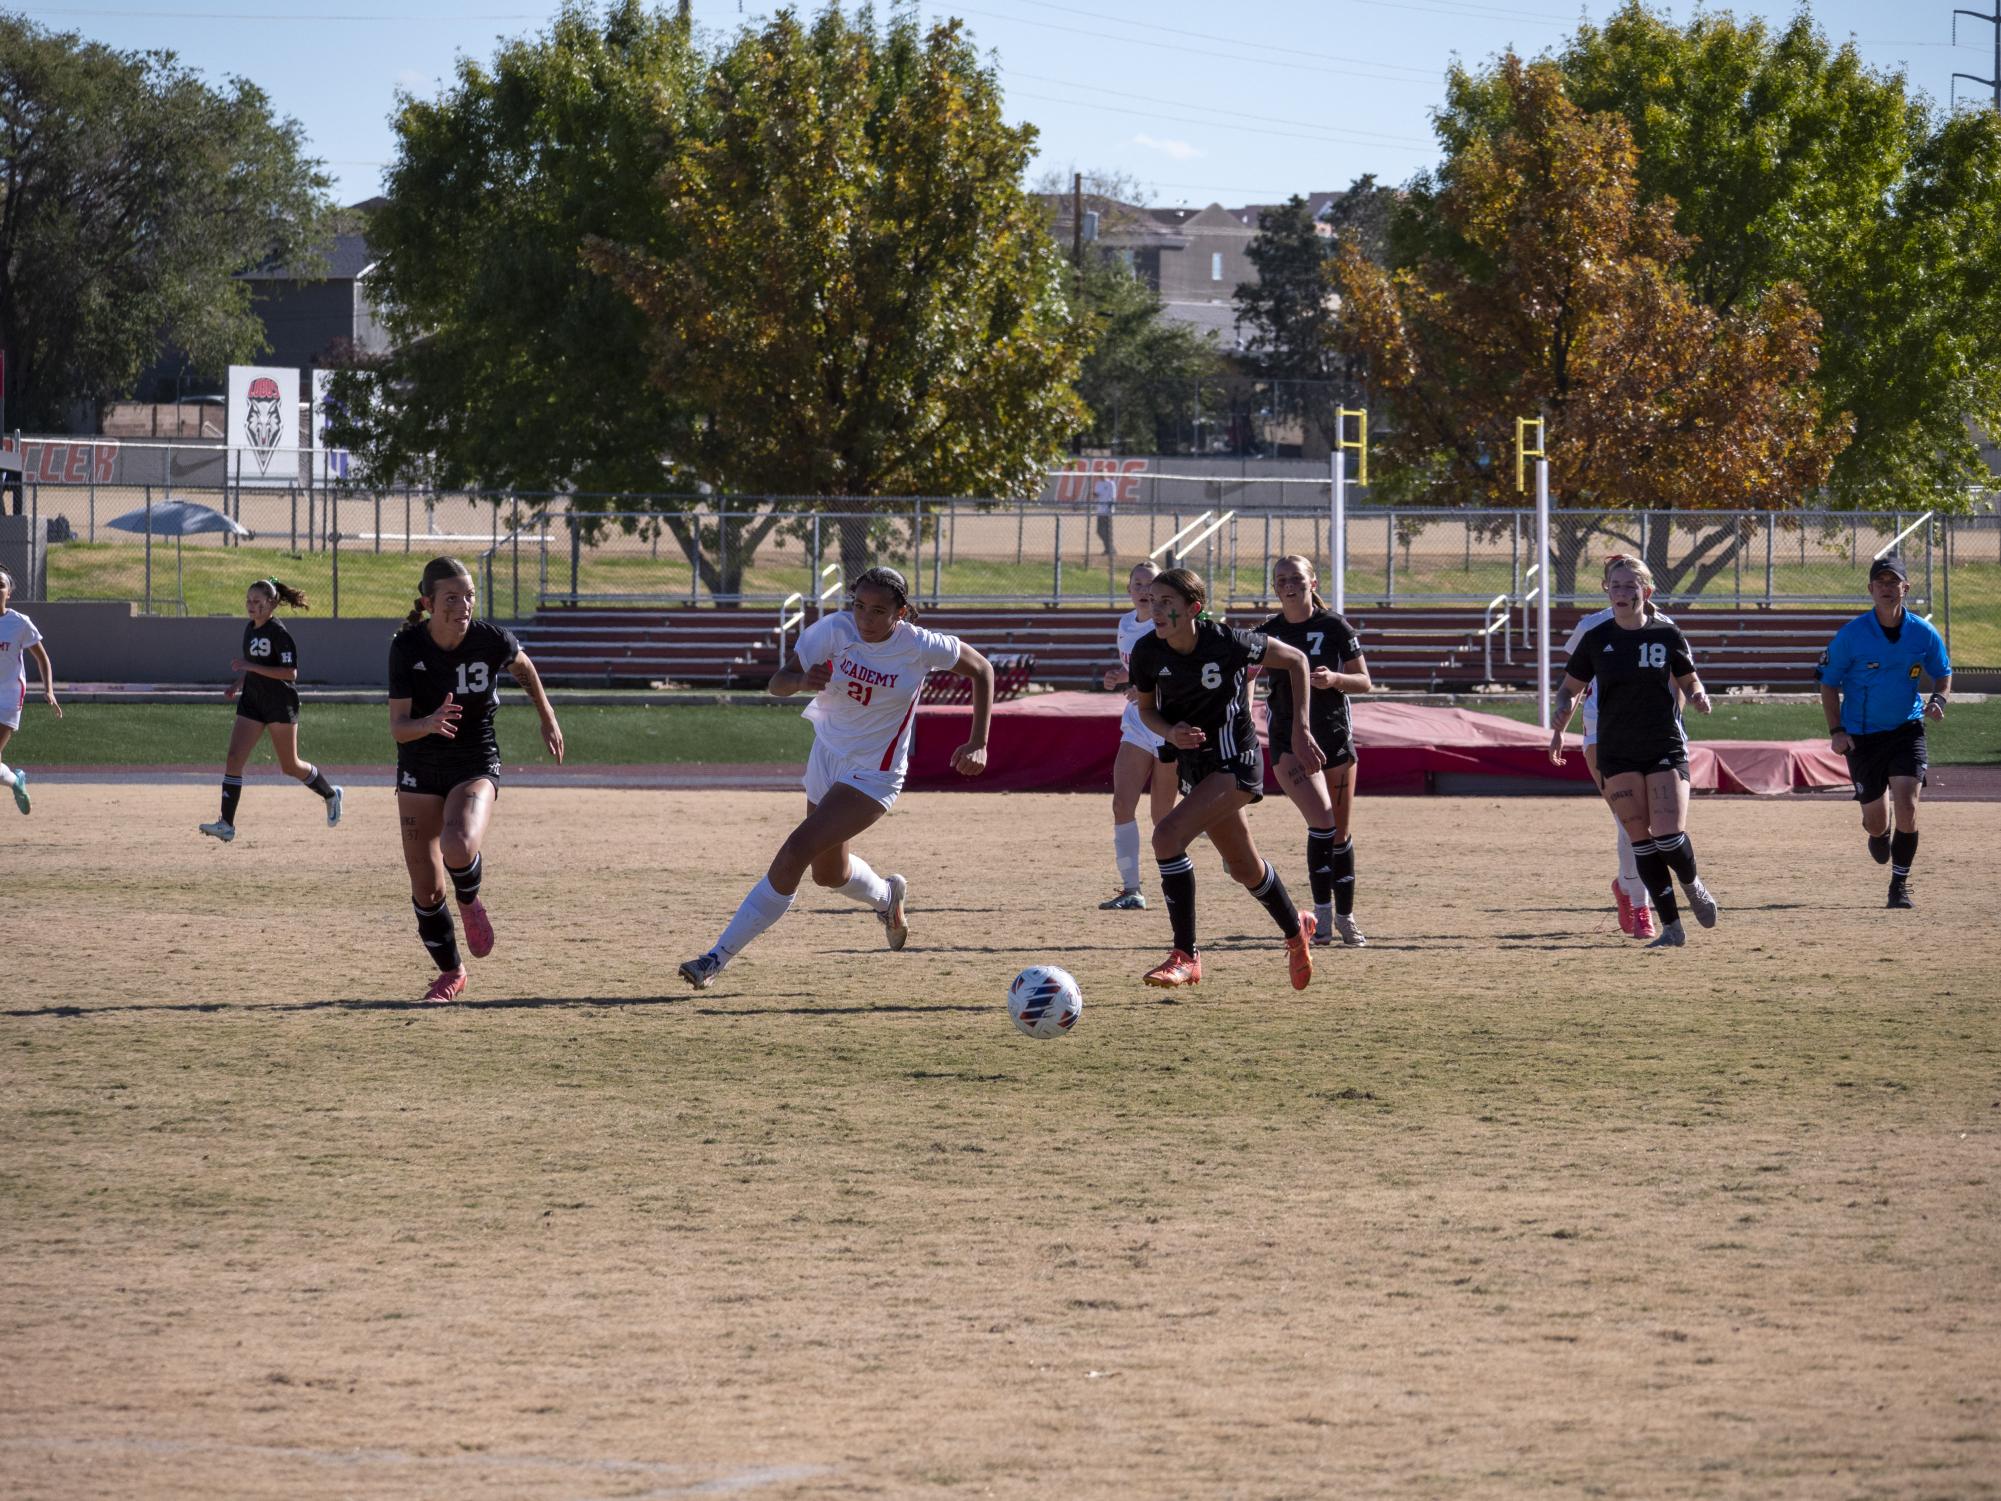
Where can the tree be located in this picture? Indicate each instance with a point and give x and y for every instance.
(131, 193)
(1788, 160)
(1549, 288)
(1140, 378)
(1290, 314)
(846, 280)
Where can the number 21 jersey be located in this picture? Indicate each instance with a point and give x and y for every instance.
(424, 672)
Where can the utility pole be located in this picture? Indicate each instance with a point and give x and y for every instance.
(1077, 216)
(1993, 20)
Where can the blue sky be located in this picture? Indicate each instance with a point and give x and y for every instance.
(1230, 101)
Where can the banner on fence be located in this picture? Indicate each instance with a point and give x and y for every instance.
(1077, 482)
(263, 425)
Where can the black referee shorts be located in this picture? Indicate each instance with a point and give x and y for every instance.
(1874, 759)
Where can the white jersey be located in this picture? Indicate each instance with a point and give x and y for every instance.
(864, 715)
(17, 634)
(1134, 627)
(1589, 622)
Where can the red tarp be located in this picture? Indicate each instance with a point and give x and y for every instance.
(1065, 742)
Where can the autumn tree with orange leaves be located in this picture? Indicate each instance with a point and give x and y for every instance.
(1546, 286)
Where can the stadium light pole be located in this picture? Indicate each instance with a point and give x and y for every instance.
(1993, 20)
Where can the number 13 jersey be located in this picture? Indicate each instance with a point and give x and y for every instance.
(424, 672)
(1633, 673)
(864, 715)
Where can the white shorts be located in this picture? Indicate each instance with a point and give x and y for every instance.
(10, 706)
(826, 771)
(1132, 731)
(1591, 715)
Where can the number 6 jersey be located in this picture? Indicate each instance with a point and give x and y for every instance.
(424, 672)
(1634, 673)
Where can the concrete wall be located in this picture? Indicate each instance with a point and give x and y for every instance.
(112, 643)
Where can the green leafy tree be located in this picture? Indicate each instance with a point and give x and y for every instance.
(131, 192)
(846, 281)
(1289, 315)
(1142, 374)
(1788, 161)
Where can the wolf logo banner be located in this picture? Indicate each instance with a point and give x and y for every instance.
(263, 425)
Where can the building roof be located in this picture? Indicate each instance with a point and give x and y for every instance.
(347, 259)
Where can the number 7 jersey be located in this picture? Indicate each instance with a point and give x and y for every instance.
(864, 715)
(424, 672)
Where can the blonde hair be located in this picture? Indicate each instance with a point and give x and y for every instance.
(1306, 571)
(1636, 566)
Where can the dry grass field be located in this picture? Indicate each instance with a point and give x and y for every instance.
(1501, 1206)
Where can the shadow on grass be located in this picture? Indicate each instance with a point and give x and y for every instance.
(248, 1008)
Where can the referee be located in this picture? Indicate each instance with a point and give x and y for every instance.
(1871, 690)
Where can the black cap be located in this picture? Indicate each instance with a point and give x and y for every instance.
(1889, 563)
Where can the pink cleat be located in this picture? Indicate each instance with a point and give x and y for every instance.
(1625, 906)
(1643, 921)
(447, 987)
(479, 928)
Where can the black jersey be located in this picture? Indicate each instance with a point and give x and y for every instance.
(1328, 641)
(1205, 687)
(424, 672)
(269, 645)
(1634, 673)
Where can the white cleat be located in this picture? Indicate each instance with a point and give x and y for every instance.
(1703, 903)
(895, 924)
(221, 829)
(701, 972)
(1323, 926)
(333, 808)
(1351, 935)
(1671, 937)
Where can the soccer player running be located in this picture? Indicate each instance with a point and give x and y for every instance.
(1137, 767)
(1636, 913)
(1325, 798)
(1871, 684)
(267, 698)
(1633, 664)
(869, 662)
(1190, 675)
(444, 691)
(19, 640)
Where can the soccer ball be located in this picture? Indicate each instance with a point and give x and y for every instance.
(1044, 1001)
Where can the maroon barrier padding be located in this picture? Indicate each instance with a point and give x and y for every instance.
(1065, 742)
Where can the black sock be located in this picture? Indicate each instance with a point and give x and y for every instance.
(1903, 850)
(1277, 901)
(434, 926)
(465, 883)
(1177, 886)
(1320, 864)
(1879, 848)
(319, 783)
(1344, 877)
(1679, 853)
(1659, 882)
(232, 790)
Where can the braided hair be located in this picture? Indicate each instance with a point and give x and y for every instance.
(884, 577)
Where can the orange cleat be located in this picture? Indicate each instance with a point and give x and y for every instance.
(448, 986)
(1625, 906)
(1299, 951)
(1175, 970)
(479, 928)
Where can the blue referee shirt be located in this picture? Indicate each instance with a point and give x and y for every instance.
(1878, 677)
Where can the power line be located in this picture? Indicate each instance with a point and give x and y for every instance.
(1328, 138)
(1232, 41)
(1183, 104)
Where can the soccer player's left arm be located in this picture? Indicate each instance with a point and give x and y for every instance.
(1353, 677)
(970, 759)
(531, 684)
(1295, 664)
(1563, 706)
(1682, 664)
(41, 655)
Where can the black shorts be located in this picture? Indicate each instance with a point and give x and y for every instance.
(1247, 769)
(281, 712)
(1334, 741)
(1611, 766)
(438, 778)
(1874, 759)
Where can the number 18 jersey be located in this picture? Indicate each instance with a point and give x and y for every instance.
(1632, 673)
(424, 672)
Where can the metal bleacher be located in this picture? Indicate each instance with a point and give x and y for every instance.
(1440, 649)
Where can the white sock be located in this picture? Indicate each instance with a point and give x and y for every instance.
(763, 907)
(1629, 864)
(1125, 846)
(864, 885)
(6, 775)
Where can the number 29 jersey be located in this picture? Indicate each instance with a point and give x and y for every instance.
(1633, 674)
(424, 672)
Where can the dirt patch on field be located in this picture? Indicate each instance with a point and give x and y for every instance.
(1500, 1205)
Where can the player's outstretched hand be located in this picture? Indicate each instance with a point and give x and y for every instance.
(1702, 703)
(819, 675)
(1556, 748)
(552, 736)
(444, 720)
(1187, 737)
(970, 759)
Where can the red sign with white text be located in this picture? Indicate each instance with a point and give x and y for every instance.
(1076, 483)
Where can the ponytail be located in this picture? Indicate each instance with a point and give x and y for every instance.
(281, 592)
(1306, 570)
(435, 572)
